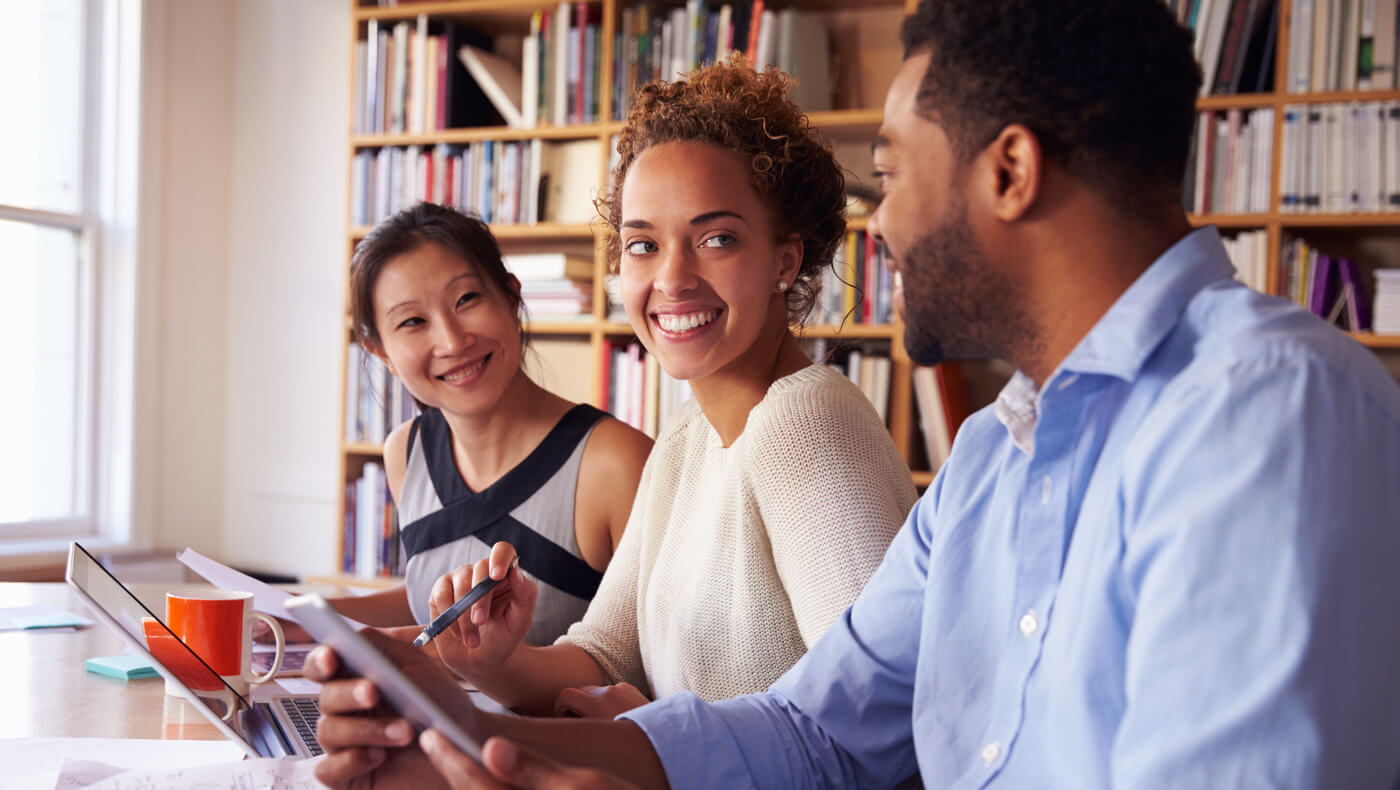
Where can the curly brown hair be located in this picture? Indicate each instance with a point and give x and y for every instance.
(793, 170)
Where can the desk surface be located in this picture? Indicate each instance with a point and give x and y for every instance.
(49, 693)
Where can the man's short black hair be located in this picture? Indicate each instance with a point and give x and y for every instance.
(1107, 86)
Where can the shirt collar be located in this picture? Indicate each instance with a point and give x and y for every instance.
(1120, 343)
(1122, 340)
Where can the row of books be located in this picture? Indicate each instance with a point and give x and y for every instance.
(375, 401)
(1236, 42)
(1342, 45)
(1249, 252)
(1340, 158)
(637, 391)
(516, 182)
(1387, 315)
(370, 537)
(651, 45)
(553, 285)
(559, 75)
(410, 78)
(858, 287)
(941, 401)
(1231, 162)
(1329, 286)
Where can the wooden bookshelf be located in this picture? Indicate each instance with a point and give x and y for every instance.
(857, 120)
(857, 123)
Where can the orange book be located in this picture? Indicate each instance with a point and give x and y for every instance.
(755, 17)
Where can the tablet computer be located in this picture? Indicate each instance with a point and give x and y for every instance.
(356, 652)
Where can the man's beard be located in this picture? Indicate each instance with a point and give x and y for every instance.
(956, 304)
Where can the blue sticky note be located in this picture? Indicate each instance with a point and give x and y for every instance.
(123, 667)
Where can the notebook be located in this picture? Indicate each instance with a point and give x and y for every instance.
(276, 725)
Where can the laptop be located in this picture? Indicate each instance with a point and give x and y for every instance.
(276, 725)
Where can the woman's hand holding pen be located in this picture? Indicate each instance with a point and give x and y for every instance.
(482, 639)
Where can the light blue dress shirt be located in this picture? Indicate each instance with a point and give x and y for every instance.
(1177, 565)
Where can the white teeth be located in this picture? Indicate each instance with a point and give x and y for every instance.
(465, 372)
(685, 322)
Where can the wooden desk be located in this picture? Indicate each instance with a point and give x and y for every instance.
(48, 693)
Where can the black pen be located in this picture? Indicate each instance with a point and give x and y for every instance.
(450, 615)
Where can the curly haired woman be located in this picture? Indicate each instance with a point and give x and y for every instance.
(771, 499)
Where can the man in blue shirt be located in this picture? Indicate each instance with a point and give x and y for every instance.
(1167, 556)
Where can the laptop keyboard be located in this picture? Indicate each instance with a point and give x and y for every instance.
(303, 712)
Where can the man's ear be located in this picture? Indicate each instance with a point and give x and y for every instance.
(1017, 165)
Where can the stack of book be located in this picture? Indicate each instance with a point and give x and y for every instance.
(1330, 287)
(1341, 158)
(1341, 45)
(637, 391)
(857, 288)
(651, 45)
(376, 402)
(1231, 162)
(503, 183)
(941, 396)
(1235, 42)
(1249, 253)
(408, 79)
(554, 285)
(1387, 302)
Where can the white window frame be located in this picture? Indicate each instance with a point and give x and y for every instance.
(108, 228)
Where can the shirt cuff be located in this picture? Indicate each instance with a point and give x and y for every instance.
(694, 741)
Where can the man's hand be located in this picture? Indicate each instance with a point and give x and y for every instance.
(365, 742)
(508, 766)
(599, 702)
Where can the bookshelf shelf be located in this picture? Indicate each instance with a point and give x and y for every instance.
(1337, 96)
(1391, 219)
(846, 122)
(1371, 340)
(582, 326)
(579, 131)
(540, 231)
(475, 10)
(848, 331)
(1231, 220)
(364, 449)
(923, 479)
(1227, 101)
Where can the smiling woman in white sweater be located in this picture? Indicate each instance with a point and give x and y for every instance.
(767, 504)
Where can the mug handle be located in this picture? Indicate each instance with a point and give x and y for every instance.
(281, 648)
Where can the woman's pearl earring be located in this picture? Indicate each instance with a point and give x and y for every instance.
(782, 286)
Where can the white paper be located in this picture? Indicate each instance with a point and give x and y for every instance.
(20, 618)
(266, 598)
(262, 774)
(299, 685)
(37, 762)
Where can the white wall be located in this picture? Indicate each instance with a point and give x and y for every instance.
(287, 252)
(186, 377)
(247, 297)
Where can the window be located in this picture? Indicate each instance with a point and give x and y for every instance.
(61, 343)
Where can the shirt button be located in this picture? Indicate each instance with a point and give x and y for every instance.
(1045, 487)
(1029, 623)
(991, 752)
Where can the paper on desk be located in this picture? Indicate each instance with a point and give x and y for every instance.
(263, 774)
(37, 762)
(266, 598)
(20, 618)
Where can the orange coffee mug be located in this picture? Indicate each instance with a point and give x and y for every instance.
(218, 626)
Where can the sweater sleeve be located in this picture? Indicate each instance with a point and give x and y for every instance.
(608, 630)
(833, 492)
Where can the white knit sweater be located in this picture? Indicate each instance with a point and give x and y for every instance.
(735, 560)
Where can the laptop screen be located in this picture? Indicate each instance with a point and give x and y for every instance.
(148, 630)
